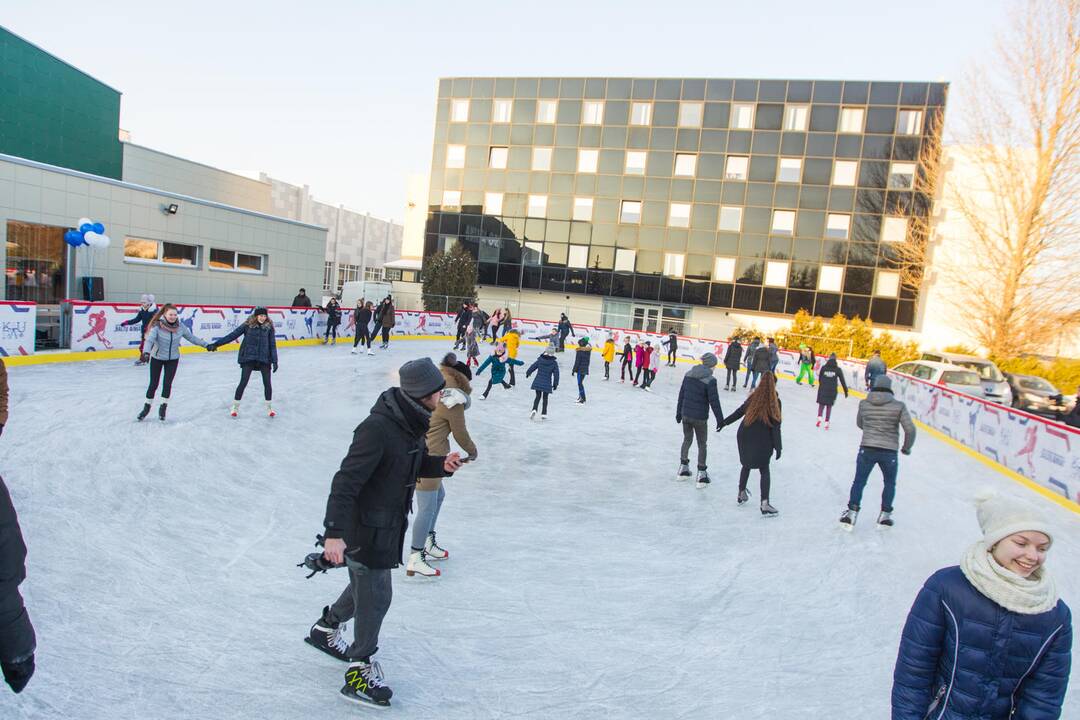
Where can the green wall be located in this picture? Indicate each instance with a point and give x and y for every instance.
(52, 113)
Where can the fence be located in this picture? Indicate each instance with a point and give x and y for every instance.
(18, 328)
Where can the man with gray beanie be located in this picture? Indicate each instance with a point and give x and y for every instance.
(696, 395)
(366, 518)
(880, 416)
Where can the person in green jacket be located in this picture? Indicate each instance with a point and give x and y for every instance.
(806, 364)
(498, 361)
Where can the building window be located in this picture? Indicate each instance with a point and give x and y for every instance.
(392, 274)
(796, 117)
(690, 114)
(351, 273)
(742, 116)
(546, 110)
(679, 215)
(497, 158)
(451, 199)
(235, 261)
(790, 170)
(447, 243)
(532, 253)
(901, 176)
(837, 226)
(541, 158)
(844, 172)
(373, 273)
(730, 218)
(624, 260)
(685, 165)
(776, 273)
(592, 112)
(724, 269)
(455, 156)
(459, 111)
(851, 120)
(909, 122)
(501, 110)
(537, 206)
(894, 229)
(641, 113)
(830, 278)
(783, 222)
(587, 160)
(160, 252)
(736, 167)
(635, 162)
(583, 208)
(630, 212)
(493, 203)
(328, 276)
(674, 264)
(578, 257)
(887, 284)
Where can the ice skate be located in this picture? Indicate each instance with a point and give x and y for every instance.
(329, 636)
(144, 412)
(702, 479)
(767, 510)
(354, 351)
(818, 423)
(418, 566)
(847, 520)
(884, 520)
(161, 411)
(235, 409)
(270, 410)
(543, 416)
(139, 362)
(684, 472)
(432, 550)
(364, 684)
(532, 415)
(826, 424)
(370, 351)
(744, 495)
(581, 401)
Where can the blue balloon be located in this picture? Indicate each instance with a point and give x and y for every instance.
(73, 238)
(86, 227)
(99, 228)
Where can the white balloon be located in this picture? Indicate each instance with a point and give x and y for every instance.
(84, 221)
(93, 239)
(106, 241)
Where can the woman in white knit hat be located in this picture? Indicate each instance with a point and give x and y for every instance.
(990, 638)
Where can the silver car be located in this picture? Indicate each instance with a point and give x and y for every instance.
(953, 377)
(994, 384)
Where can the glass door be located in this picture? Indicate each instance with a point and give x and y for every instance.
(37, 271)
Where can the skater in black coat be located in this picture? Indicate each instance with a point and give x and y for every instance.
(672, 344)
(17, 640)
(146, 313)
(627, 361)
(333, 319)
(363, 334)
(565, 328)
(829, 376)
(258, 351)
(759, 438)
(732, 357)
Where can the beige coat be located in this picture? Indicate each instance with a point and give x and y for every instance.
(446, 421)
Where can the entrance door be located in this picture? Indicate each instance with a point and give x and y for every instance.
(646, 319)
(37, 271)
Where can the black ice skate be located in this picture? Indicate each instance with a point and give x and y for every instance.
(161, 411)
(702, 479)
(847, 520)
(744, 495)
(364, 685)
(144, 412)
(884, 520)
(684, 472)
(329, 636)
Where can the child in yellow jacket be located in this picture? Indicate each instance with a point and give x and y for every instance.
(608, 353)
(512, 340)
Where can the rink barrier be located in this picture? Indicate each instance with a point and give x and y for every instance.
(18, 328)
(1041, 454)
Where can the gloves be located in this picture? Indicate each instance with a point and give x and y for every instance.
(275, 367)
(777, 453)
(678, 418)
(471, 457)
(18, 673)
(554, 388)
(211, 347)
(145, 357)
(906, 451)
(845, 394)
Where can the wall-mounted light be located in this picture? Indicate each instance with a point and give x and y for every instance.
(170, 209)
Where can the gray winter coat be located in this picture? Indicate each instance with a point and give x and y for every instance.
(875, 368)
(880, 417)
(164, 345)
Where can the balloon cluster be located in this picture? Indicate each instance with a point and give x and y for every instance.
(91, 234)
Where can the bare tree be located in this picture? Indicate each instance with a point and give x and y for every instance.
(1021, 134)
(911, 255)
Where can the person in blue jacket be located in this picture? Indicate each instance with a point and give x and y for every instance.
(989, 639)
(142, 318)
(499, 362)
(546, 382)
(582, 356)
(258, 351)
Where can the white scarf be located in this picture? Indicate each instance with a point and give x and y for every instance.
(1032, 595)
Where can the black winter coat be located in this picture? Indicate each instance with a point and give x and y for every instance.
(733, 355)
(143, 316)
(565, 328)
(371, 495)
(697, 394)
(333, 314)
(762, 361)
(757, 442)
(828, 377)
(582, 357)
(301, 301)
(363, 317)
(258, 346)
(17, 640)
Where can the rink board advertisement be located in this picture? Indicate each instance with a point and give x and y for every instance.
(18, 327)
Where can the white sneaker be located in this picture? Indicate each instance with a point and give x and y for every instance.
(235, 409)
(432, 550)
(418, 566)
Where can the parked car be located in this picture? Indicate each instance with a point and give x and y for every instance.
(1036, 395)
(954, 377)
(995, 386)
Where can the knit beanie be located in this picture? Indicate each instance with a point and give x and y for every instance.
(708, 360)
(583, 341)
(550, 349)
(882, 382)
(1000, 517)
(420, 378)
(259, 311)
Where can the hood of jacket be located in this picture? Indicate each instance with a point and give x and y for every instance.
(700, 372)
(546, 361)
(455, 379)
(880, 397)
(409, 416)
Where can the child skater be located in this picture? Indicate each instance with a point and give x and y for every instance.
(759, 437)
(582, 358)
(472, 347)
(161, 347)
(258, 351)
(147, 310)
(546, 368)
(828, 377)
(512, 340)
(498, 362)
(652, 364)
(608, 354)
(627, 361)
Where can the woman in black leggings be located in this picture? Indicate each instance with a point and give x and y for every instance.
(162, 348)
(258, 351)
(363, 326)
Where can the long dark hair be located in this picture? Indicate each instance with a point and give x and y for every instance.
(159, 314)
(764, 404)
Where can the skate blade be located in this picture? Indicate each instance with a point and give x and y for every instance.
(701, 486)
(766, 516)
(363, 701)
(413, 573)
(323, 650)
(847, 527)
(883, 527)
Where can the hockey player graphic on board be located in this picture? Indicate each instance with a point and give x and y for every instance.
(98, 323)
(1030, 440)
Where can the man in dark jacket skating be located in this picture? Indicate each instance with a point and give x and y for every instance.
(565, 328)
(748, 360)
(366, 518)
(697, 394)
(880, 418)
(875, 368)
(17, 640)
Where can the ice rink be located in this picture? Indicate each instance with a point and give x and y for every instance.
(584, 581)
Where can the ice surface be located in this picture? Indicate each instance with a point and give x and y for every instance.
(584, 581)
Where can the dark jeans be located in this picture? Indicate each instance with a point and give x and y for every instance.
(690, 429)
(647, 381)
(156, 366)
(245, 374)
(627, 365)
(581, 386)
(562, 341)
(671, 354)
(753, 382)
(766, 480)
(459, 339)
(386, 335)
(540, 394)
(365, 602)
(607, 369)
(732, 378)
(513, 380)
(331, 330)
(746, 379)
(888, 462)
(363, 335)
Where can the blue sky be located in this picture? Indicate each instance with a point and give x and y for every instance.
(340, 94)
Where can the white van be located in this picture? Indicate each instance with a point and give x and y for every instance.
(995, 386)
(371, 290)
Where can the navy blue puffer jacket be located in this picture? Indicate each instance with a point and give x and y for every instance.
(968, 658)
(258, 346)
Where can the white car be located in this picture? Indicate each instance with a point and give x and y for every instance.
(954, 377)
(995, 386)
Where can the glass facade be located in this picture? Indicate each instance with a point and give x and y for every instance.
(754, 195)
